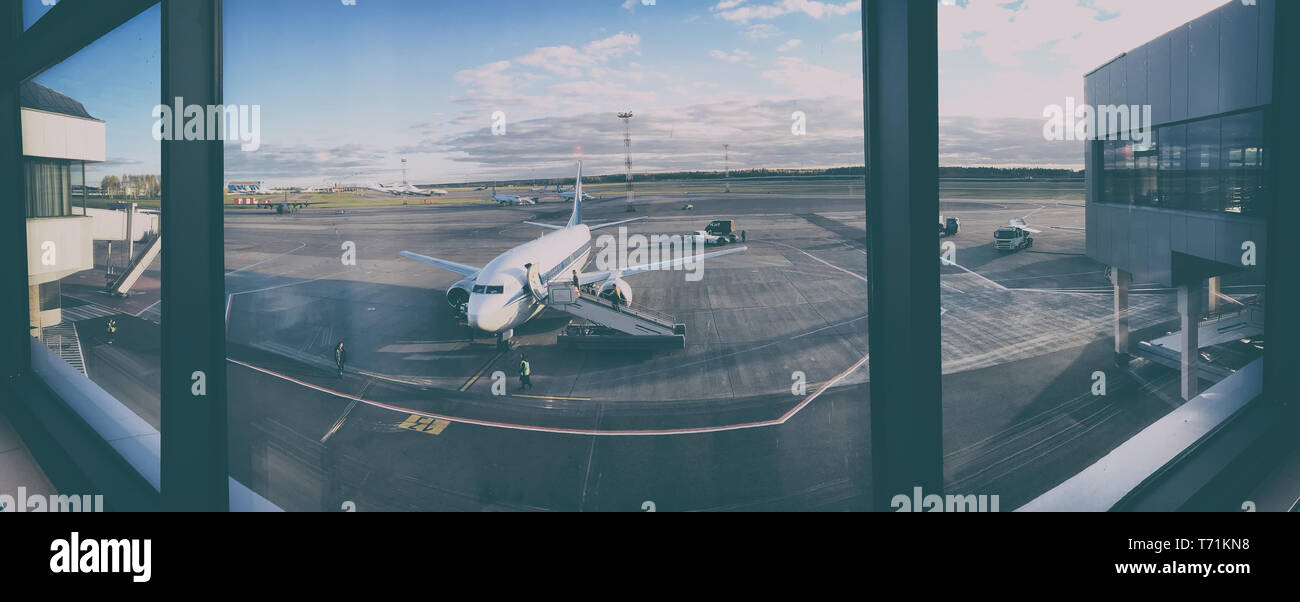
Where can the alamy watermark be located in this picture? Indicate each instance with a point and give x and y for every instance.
(209, 122)
(627, 250)
(51, 503)
(938, 503)
(1085, 122)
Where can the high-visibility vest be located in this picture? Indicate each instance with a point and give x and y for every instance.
(525, 369)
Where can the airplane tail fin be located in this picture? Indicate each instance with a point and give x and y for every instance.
(577, 199)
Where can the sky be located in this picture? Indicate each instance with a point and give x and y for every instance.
(347, 90)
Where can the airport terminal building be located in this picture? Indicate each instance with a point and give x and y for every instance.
(58, 138)
(1184, 204)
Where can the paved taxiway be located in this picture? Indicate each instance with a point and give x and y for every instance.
(413, 424)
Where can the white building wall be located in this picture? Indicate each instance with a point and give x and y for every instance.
(57, 136)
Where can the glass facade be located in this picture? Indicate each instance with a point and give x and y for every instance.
(1214, 165)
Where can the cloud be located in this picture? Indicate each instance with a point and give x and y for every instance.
(1003, 142)
(789, 45)
(850, 37)
(1011, 59)
(737, 57)
(801, 77)
(567, 61)
(677, 138)
(732, 10)
(761, 31)
(279, 162)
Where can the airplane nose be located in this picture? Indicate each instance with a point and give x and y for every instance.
(486, 321)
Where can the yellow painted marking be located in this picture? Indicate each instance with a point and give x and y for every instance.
(551, 397)
(473, 380)
(424, 424)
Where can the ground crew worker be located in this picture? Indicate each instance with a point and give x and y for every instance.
(110, 330)
(525, 371)
(576, 283)
(340, 358)
(742, 236)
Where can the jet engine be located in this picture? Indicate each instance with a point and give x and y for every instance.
(458, 296)
(608, 287)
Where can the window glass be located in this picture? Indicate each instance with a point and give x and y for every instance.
(1066, 324)
(406, 136)
(1204, 175)
(1172, 178)
(33, 10)
(1243, 162)
(91, 169)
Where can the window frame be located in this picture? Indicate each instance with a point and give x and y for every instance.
(193, 447)
(899, 46)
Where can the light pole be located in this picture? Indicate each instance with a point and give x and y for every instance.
(726, 166)
(626, 116)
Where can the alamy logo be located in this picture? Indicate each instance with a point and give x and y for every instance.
(51, 503)
(75, 555)
(616, 254)
(1086, 122)
(210, 122)
(938, 503)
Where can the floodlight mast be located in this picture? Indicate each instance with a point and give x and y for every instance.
(626, 116)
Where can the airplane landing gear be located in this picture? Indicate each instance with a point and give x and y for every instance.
(504, 339)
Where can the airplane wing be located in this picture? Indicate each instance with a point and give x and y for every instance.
(591, 228)
(459, 268)
(593, 277)
(1020, 223)
(545, 225)
(622, 221)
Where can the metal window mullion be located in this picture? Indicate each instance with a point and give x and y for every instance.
(900, 41)
(1282, 290)
(194, 446)
(15, 353)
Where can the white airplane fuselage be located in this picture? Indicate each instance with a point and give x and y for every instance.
(556, 255)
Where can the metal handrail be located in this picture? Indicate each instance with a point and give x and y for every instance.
(640, 312)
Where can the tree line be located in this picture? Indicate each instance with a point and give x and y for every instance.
(131, 186)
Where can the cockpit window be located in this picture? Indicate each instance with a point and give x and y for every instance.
(495, 290)
(478, 288)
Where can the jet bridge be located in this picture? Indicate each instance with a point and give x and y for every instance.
(608, 326)
(121, 285)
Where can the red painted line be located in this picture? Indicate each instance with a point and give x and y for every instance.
(568, 431)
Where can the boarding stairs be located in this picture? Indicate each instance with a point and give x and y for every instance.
(609, 326)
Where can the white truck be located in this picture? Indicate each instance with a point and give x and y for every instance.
(702, 238)
(1013, 236)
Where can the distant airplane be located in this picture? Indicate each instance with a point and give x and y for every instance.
(401, 189)
(495, 297)
(511, 199)
(409, 189)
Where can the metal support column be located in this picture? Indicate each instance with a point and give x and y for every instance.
(1189, 319)
(194, 445)
(902, 148)
(1212, 295)
(1122, 280)
(15, 352)
(1282, 321)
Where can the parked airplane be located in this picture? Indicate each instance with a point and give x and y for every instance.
(495, 298)
(409, 189)
(511, 199)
